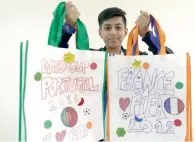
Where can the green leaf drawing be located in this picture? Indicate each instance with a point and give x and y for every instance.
(38, 76)
(121, 132)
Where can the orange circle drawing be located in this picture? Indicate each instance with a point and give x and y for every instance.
(89, 125)
(146, 65)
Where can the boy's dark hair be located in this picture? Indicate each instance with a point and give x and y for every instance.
(110, 13)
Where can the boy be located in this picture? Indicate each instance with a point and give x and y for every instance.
(112, 29)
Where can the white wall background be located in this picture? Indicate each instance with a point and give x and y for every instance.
(22, 20)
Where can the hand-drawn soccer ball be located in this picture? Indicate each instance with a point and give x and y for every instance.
(125, 116)
(86, 111)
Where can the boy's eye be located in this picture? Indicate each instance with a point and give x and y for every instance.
(118, 28)
(107, 28)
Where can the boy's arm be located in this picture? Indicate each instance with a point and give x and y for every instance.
(64, 40)
(151, 41)
(67, 32)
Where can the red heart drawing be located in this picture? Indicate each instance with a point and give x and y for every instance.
(124, 103)
(60, 136)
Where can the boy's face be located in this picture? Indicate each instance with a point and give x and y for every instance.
(113, 31)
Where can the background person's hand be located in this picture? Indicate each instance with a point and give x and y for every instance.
(143, 22)
(72, 14)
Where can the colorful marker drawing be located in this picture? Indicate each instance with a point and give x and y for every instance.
(150, 100)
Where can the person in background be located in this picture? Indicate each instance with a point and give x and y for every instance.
(112, 30)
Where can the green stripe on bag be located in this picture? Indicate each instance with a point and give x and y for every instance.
(104, 93)
(22, 92)
(55, 33)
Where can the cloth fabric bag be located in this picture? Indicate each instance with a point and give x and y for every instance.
(149, 97)
(61, 90)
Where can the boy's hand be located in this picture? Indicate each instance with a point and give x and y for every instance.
(143, 22)
(72, 14)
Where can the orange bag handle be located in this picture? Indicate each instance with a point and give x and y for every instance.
(132, 43)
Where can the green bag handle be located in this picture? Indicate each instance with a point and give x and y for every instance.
(55, 33)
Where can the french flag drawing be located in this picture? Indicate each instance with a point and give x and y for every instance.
(174, 106)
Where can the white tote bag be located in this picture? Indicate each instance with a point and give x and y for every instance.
(149, 96)
(61, 94)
